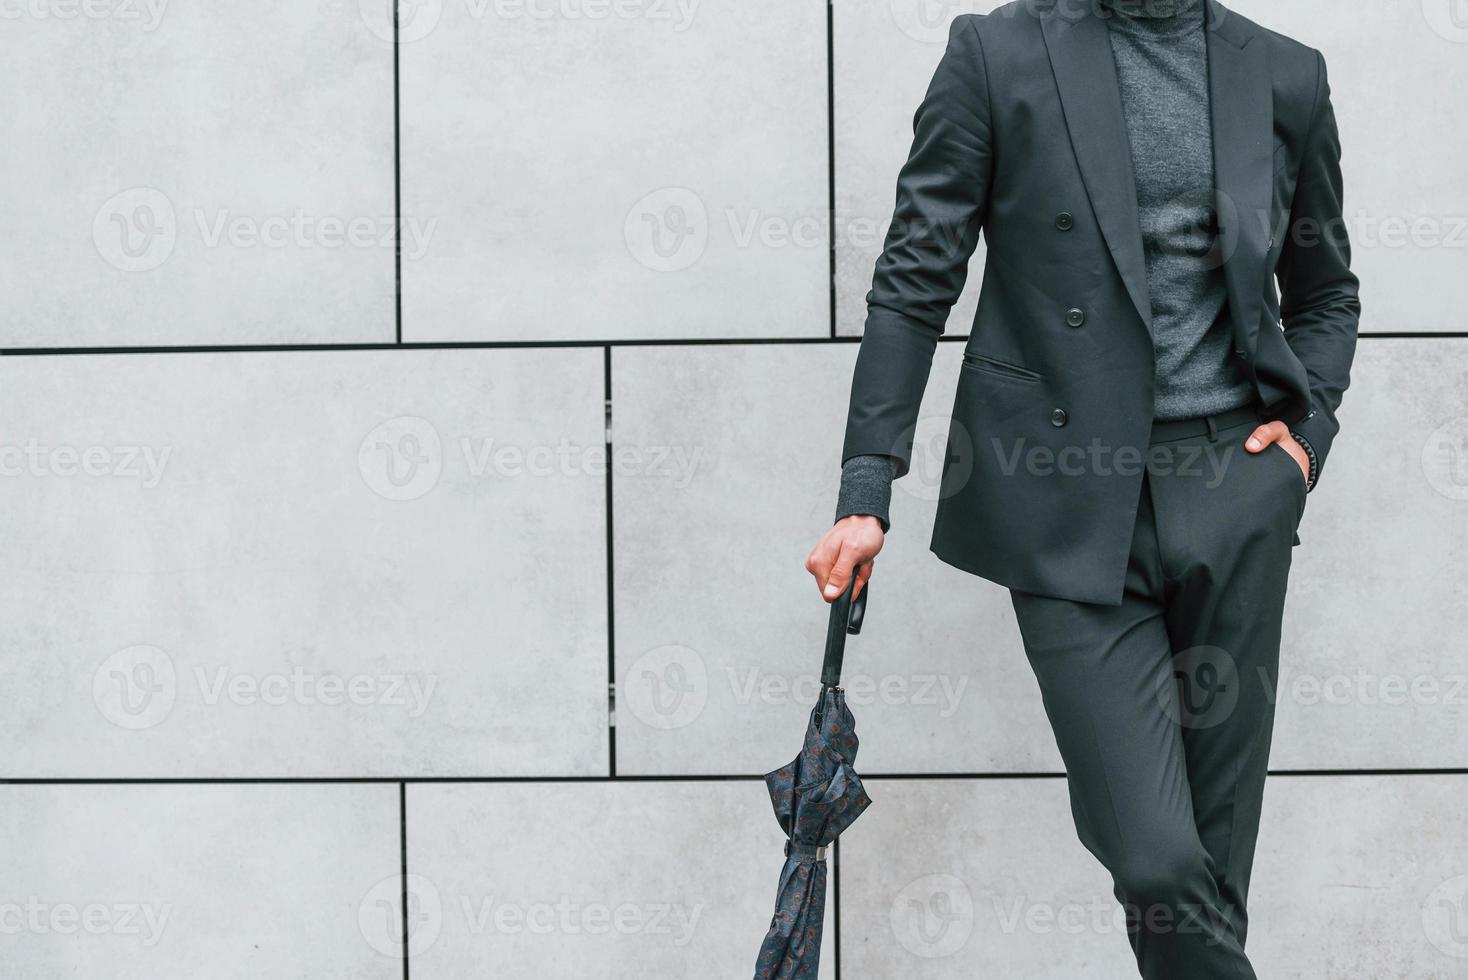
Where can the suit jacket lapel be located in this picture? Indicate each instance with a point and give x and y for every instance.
(1241, 94)
(1085, 75)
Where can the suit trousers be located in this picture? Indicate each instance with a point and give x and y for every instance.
(1163, 706)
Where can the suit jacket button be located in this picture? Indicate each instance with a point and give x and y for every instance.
(1074, 317)
(1058, 417)
(1064, 221)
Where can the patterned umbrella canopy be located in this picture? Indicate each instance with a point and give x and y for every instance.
(816, 797)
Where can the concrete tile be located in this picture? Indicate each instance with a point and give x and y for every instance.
(649, 169)
(1373, 672)
(965, 878)
(1406, 202)
(195, 173)
(152, 882)
(968, 878)
(733, 464)
(641, 879)
(1361, 876)
(304, 564)
(885, 54)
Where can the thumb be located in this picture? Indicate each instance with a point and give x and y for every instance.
(840, 575)
(1267, 433)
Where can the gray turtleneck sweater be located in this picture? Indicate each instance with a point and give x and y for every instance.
(1161, 58)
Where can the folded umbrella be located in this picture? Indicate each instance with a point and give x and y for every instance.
(816, 797)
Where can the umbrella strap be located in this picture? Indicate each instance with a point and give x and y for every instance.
(846, 617)
(793, 849)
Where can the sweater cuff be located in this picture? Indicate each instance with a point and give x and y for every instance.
(866, 487)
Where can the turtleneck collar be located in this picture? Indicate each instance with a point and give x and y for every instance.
(1152, 8)
(1153, 18)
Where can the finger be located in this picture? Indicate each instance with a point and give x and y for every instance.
(1265, 434)
(820, 560)
(863, 575)
(840, 575)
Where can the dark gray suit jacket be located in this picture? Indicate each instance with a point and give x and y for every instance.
(1022, 136)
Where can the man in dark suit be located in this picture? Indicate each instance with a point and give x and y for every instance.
(1138, 418)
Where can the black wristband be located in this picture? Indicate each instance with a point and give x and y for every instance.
(1314, 461)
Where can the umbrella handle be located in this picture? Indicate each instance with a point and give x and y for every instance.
(846, 617)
